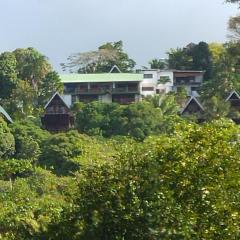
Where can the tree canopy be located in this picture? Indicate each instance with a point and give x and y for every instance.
(7, 142)
(157, 63)
(192, 57)
(8, 74)
(26, 81)
(101, 60)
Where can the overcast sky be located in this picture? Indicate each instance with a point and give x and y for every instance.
(148, 28)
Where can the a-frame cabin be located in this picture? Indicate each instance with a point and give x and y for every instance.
(57, 116)
(193, 108)
(234, 100)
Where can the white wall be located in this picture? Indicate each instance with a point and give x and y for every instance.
(149, 82)
(107, 98)
(167, 87)
(153, 82)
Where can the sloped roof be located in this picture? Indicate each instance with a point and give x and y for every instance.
(188, 103)
(232, 94)
(101, 77)
(5, 114)
(53, 96)
(116, 68)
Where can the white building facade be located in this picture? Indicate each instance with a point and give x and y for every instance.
(164, 81)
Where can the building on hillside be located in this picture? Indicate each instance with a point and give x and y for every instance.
(156, 82)
(57, 116)
(5, 115)
(163, 81)
(190, 80)
(123, 88)
(234, 100)
(193, 108)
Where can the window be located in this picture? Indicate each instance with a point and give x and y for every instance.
(194, 88)
(147, 88)
(148, 75)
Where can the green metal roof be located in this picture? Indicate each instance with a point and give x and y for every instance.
(101, 77)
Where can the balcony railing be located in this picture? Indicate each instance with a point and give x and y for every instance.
(107, 90)
(125, 90)
(187, 82)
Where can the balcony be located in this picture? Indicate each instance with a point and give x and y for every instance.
(90, 91)
(187, 82)
(127, 89)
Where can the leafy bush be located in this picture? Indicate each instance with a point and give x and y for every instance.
(184, 186)
(7, 143)
(34, 202)
(60, 152)
(137, 120)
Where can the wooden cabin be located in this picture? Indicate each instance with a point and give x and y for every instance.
(234, 100)
(57, 116)
(193, 108)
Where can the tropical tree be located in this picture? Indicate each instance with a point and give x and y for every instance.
(48, 86)
(166, 103)
(34, 202)
(217, 51)
(183, 186)
(7, 142)
(202, 59)
(26, 81)
(32, 66)
(179, 59)
(234, 24)
(8, 74)
(225, 76)
(157, 63)
(102, 60)
(60, 152)
(22, 102)
(137, 120)
(216, 108)
(192, 57)
(95, 118)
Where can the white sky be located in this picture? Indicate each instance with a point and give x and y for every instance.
(148, 28)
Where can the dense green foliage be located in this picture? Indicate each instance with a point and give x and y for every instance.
(192, 57)
(180, 187)
(157, 64)
(26, 82)
(8, 74)
(183, 185)
(137, 120)
(60, 153)
(7, 143)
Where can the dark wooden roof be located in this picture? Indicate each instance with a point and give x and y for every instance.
(192, 106)
(233, 96)
(57, 116)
